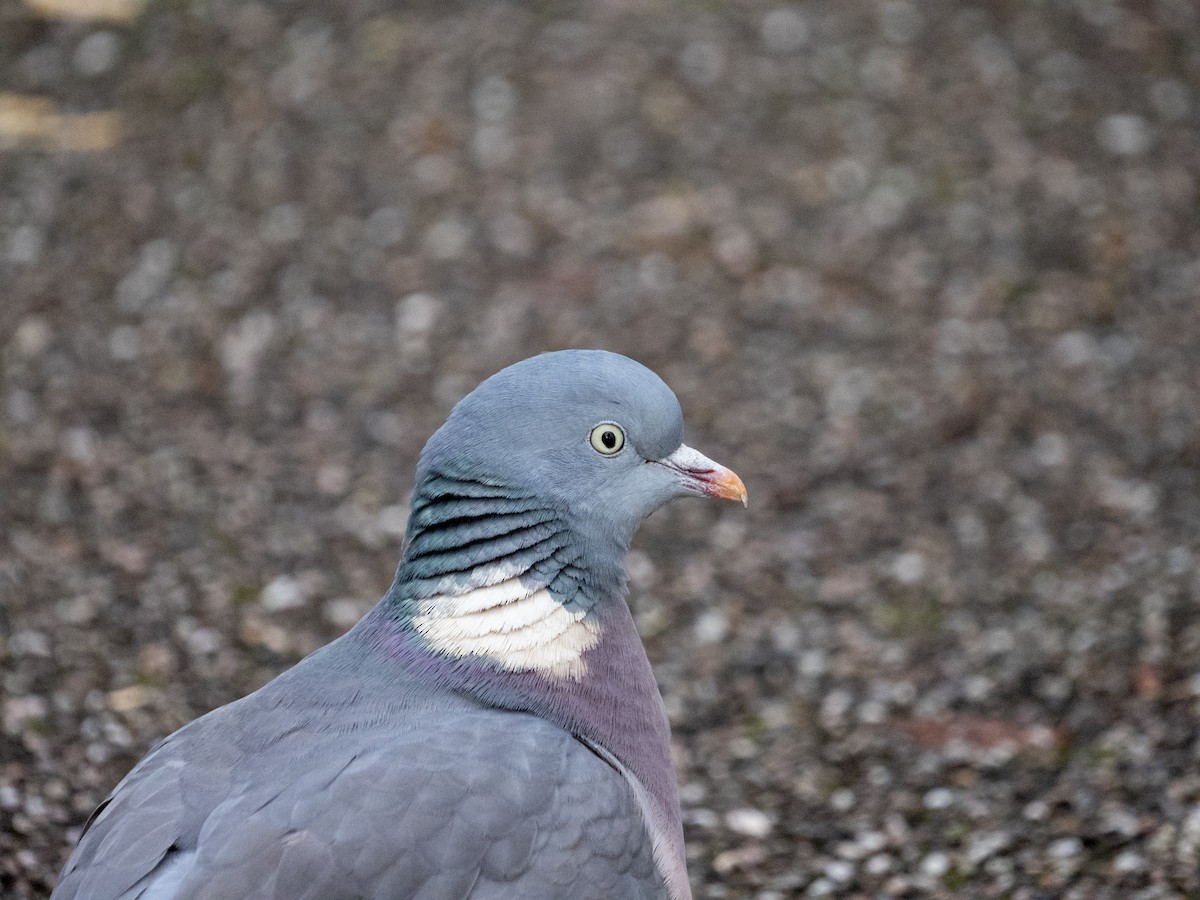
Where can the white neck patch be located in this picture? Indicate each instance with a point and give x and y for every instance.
(515, 626)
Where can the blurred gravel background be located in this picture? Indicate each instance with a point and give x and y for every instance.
(925, 273)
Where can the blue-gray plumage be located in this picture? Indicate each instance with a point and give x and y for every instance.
(492, 727)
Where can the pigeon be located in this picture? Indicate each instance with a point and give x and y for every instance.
(492, 727)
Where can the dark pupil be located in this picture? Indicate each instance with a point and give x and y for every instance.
(608, 439)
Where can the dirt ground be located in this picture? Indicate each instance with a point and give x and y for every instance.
(926, 274)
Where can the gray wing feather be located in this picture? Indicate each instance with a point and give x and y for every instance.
(476, 803)
(129, 835)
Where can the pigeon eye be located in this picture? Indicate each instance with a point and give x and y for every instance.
(608, 438)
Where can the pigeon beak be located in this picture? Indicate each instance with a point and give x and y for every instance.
(701, 475)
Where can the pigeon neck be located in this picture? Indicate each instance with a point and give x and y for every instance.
(499, 598)
(494, 574)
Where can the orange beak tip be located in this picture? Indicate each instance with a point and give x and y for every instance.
(728, 486)
(702, 475)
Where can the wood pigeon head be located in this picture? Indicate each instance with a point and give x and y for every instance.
(595, 433)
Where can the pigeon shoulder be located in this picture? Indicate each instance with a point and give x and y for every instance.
(435, 796)
(485, 804)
